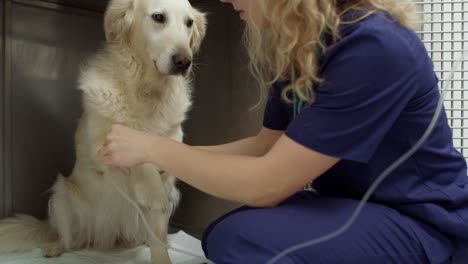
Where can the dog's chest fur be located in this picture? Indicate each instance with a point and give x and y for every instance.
(157, 108)
(123, 93)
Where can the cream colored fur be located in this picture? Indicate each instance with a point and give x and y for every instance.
(130, 82)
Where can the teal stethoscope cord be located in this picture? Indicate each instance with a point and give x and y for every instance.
(298, 103)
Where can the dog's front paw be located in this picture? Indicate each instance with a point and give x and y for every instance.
(164, 208)
(52, 250)
(151, 200)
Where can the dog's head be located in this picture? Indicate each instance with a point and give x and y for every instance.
(163, 33)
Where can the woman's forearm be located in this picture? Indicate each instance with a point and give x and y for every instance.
(256, 146)
(250, 146)
(232, 177)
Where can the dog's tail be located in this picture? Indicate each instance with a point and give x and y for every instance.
(23, 233)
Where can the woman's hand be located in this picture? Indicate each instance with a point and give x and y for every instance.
(125, 147)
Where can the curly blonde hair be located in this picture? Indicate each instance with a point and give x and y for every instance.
(286, 50)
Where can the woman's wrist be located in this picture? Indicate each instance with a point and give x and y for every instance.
(152, 150)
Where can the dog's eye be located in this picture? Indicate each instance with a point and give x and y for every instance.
(160, 18)
(190, 23)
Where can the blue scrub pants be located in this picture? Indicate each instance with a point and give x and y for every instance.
(381, 234)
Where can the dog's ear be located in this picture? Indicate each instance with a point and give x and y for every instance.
(118, 20)
(199, 30)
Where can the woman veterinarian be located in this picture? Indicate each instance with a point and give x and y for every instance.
(352, 89)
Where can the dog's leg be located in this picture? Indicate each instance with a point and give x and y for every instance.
(150, 191)
(159, 254)
(152, 194)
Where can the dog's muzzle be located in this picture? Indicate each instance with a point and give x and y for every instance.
(180, 64)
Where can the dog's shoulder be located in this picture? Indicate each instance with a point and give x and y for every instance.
(100, 84)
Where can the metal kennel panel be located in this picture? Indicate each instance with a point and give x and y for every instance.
(444, 31)
(44, 46)
(2, 128)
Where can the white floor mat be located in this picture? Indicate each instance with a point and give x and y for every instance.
(139, 255)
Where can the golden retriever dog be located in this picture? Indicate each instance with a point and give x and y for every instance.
(140, 79)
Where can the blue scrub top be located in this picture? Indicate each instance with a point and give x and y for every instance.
(378, 97)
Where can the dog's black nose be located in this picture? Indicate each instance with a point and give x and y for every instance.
(181, 63)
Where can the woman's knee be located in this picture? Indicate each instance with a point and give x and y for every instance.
(230, 240)
(223, 236)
